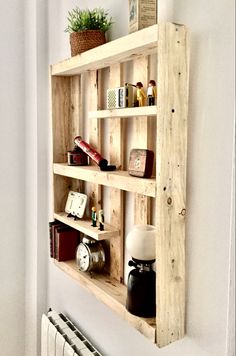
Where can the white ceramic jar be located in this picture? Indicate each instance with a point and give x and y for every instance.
(141, 242)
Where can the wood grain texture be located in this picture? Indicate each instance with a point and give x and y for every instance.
(66, 123)
(116, 156)
(173, 62)
(94, 190)
(85, 227)
(115, 179)
(61, 111)
(142, 203)
(61, 133)
(76, 118)
(76, 121)
(125, 113)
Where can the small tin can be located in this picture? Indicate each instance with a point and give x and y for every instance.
(77, 157)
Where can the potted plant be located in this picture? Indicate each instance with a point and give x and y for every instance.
(87, 28)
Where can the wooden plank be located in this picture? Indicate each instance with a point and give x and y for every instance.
(125, 113)
(173, 63)
(116, 179)
(85, 227)
(76, 117)
(119, 50)
(66, 120)
(94, 190)
(111, 293)
(116, 156)
(60, 112)
(76, 121)
(142, 203)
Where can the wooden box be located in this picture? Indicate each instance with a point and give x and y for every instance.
(141, 163)
(142, 13)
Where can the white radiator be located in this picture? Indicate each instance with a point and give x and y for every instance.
(59, 337)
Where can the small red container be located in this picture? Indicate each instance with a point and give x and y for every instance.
(77, 157)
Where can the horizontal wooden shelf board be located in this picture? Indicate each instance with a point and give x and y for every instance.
(85, 227)
(126, 112)
(119, 50)
(115, 179)
(111, 293)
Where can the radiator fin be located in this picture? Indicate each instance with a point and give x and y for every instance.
(60, 344)
(59, 337)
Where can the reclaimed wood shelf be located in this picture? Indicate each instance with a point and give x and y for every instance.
(120, 50)
(115, 179)
(124, 113)
(159, 52)
(111, 293)
(85, 227)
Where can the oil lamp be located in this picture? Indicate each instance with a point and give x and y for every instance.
(141, 285)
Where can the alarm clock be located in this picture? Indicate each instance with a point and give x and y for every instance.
(90, 255)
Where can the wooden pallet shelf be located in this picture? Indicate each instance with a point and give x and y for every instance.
(115, 179)
(85, 227)
(159, 52)
(111, 293)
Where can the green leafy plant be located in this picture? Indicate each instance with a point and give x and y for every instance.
(80, 20)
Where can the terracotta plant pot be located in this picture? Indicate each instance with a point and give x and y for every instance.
(85, 40)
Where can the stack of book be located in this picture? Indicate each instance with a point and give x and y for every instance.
(63, 241)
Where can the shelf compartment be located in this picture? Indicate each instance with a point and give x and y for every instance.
(124, 113)
(116, 179)
(111, 293)
(122, 49)
(85, 227)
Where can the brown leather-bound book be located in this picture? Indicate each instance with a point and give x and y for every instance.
(52, 226)
(66, 241)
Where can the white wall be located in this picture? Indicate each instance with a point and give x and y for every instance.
(23, 242)
(210, 163)
(12, 189)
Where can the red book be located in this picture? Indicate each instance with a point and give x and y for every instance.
(66, 241)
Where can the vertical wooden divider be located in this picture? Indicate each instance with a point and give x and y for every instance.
(116, 156)
(95, 137)
(76, 108)
(173, 63)
(142, 203)
(76, 121)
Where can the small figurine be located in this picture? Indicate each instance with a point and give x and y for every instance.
(141, 96)
(101, 220)
(94, 217)
(151, 92)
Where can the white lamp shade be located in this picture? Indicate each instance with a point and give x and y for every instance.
(141, 242)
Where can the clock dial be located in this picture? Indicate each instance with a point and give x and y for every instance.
(83, 258)
(90, 256)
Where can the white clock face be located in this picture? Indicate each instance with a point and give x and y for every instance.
(82, 257)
